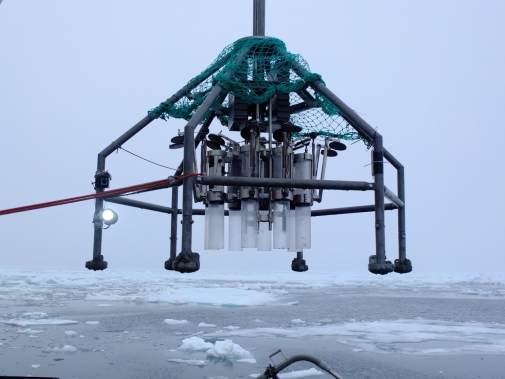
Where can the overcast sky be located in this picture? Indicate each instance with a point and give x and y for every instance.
(429, 75)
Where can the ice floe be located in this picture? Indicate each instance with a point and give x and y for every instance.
(67, 349)
(416, 336)
(170, 321)
(238, 289)
(29, 331)
(195, 344)
(190, 362)
(204, 325)
(35, 319)
(224, 350)
(297, 321)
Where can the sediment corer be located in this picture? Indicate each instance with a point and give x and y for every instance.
(214, 209)
(303, 201)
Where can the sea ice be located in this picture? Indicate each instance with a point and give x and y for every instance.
(195, 344)
(68, 349)
(36, 318)
(70, 333)
(35, 366)
(170, 321)
(220, 349)
(34, 315)
(92, 322)
(191, 362)
(400, 336)
(29, 331)
(204, 325)
(297, 321)
(228, 350)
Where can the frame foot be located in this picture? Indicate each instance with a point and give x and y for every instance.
(169, 264)
(379, 268)
(186, 262)
(299, 265)
(403, 266)
(97, 264)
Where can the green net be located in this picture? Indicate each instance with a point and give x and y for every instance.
(254, 69)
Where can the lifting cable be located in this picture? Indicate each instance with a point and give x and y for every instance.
(105, 194)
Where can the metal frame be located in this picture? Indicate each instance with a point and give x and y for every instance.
(187, 260)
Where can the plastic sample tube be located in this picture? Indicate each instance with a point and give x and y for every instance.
(264, 235)
(249, 220)
(280, 225)
(302, 227)
(234, 230)
(216, 226)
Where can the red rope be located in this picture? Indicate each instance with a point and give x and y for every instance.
(119, 191)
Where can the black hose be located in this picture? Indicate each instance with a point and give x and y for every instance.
(303, 357)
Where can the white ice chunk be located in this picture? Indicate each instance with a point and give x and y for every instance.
(34, 315)
(171, 321)
(191, 362)
(68, 349)
(195, 344)
(217, 296)
(297, 321)
(92, 322)
(231, 327)
(29, 331)
(104, 305)
(228, 350)
(246, 360)
(204, 325)
(70, 333)
(33, 322)
(221, 349)
(35, 366)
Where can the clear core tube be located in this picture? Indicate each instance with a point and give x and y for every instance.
(249, 222)
(280, 225)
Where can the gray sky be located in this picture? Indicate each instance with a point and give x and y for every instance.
(74, 75)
